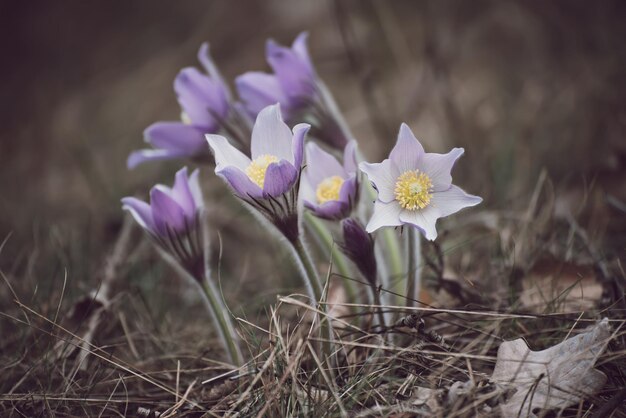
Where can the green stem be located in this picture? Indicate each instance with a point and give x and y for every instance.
(413, 282)
(326, 242)
(222, 320)
(309, 275)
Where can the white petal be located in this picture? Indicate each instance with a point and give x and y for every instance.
(385, 214)
(424, 219)
(225, 154)
(439, 166)
(384, 176)
(196, 190)
(407, 152)
(271, 135)
(452, 200)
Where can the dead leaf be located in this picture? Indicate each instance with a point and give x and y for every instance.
(553, 378)
(561, 286)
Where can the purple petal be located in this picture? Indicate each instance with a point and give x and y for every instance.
(202, 98)
(141, 211)
(407, 152)
(321, 165)
(226, 155)
(349, 157)
(196, 190)
(385, 214)
(424, 220)
(293, 72)
(181, 192)
(384, 176)
(259, 90)
(166, 212)
(279, 178)
(299, 46)
(299, 133)
(348, 191)
(240, 183)
(204, 56)
(141, 156)
(332, 210)
(176, 136)
(452, 200)
(272, 136)
(439, 166)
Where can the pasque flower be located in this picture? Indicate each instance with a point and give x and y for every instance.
(414, 187)
(270, 179)
(330, 190)
(296, 86)
(293, 83)
(172, 219)
(205, 102)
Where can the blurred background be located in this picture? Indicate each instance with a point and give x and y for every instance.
(523, 86)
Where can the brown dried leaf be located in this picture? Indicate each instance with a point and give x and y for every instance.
(556, 377)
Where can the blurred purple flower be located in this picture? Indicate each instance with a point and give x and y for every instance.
(293, 83)
(269, 181)
(358, 246)
(329, 189)
(414, 187)
(206, 104)
(172, 211)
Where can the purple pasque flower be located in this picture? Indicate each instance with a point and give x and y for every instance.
(206, 106)
(330, 190)
(269, 180)
(358, 246)
(293, 84)
(414, 187)
(172, 218)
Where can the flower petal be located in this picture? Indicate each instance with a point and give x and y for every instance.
(348, 191)
(349, 157)
(332, 210)
(439, 166)
(141, 156)
(424, 219)
(175, 136)
(279, 178)
(166, 212)
(272, 136)
(240, 183)
(181, 192)
(299, 46)
(204, 56)
(293, 72)
(258, 90)
(453, 200)
(384, 176)
(321, 165)
(141, 211)
(196, 190)
(226, 155)
(202, 98)
(385, 214)
(407, 152)
(299, 133)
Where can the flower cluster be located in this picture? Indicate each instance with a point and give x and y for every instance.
(279, 172)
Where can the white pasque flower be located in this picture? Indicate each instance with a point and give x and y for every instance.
(414, 187)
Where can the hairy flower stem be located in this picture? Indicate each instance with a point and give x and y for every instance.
(309, 273)
(222, 320)
(413, 277)
(325, 240)
(214, 304)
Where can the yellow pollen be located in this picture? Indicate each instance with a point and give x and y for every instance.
(328, 189)
(413, 190)
(184, 117)
(257, 168)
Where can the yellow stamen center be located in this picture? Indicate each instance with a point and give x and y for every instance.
(413, 190)
(184, 117)
(258, 167)
(328, 189)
